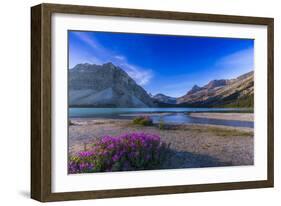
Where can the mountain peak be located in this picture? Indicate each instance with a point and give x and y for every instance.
(109, 64)
(81, 66)
(105, 85)
(244, 76)
(86, 67)
(195, 87)
(216, 83)
(159, 94)
(164, 98)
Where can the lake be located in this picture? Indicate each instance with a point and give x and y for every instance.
(168, 115)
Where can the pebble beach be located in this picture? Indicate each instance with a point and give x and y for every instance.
(191, 145)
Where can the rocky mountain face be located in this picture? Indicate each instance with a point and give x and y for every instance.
(161, 98)
(105, 86)
(237, 92)
(194, 89)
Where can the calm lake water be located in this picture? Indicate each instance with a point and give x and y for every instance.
(169, 115)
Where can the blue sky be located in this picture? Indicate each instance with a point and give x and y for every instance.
(164, 64)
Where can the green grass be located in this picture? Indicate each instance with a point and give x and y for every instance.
(143, 120)
(222, 132)
(228, 132)
(161, 124)
(247, 102)
(104, 122)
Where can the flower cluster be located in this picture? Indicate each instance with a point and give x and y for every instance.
(143, 120)
(132, 151)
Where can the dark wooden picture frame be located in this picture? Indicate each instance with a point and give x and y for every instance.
(41, 101)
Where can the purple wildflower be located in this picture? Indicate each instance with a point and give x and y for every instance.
(129, 151)
(85, 153)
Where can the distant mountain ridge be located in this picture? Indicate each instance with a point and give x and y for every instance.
(161, 98)
(108, 85)
(236, 92)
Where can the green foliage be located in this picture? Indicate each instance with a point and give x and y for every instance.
(143, 120)
(161, 123)
(246, 102)
(229, 132)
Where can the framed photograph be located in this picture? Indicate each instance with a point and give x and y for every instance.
(132, 102)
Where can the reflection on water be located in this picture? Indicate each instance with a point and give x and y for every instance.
(168, 115)
(180, 118)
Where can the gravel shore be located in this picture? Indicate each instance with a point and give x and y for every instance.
(225, 116)
(191, 145)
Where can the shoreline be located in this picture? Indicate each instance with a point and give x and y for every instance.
(192, 145)
(224, 116)
(193, 118)
(100, 121)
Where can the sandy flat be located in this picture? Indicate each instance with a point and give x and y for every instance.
(191, 145)
(225, 116)
(146, 114)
